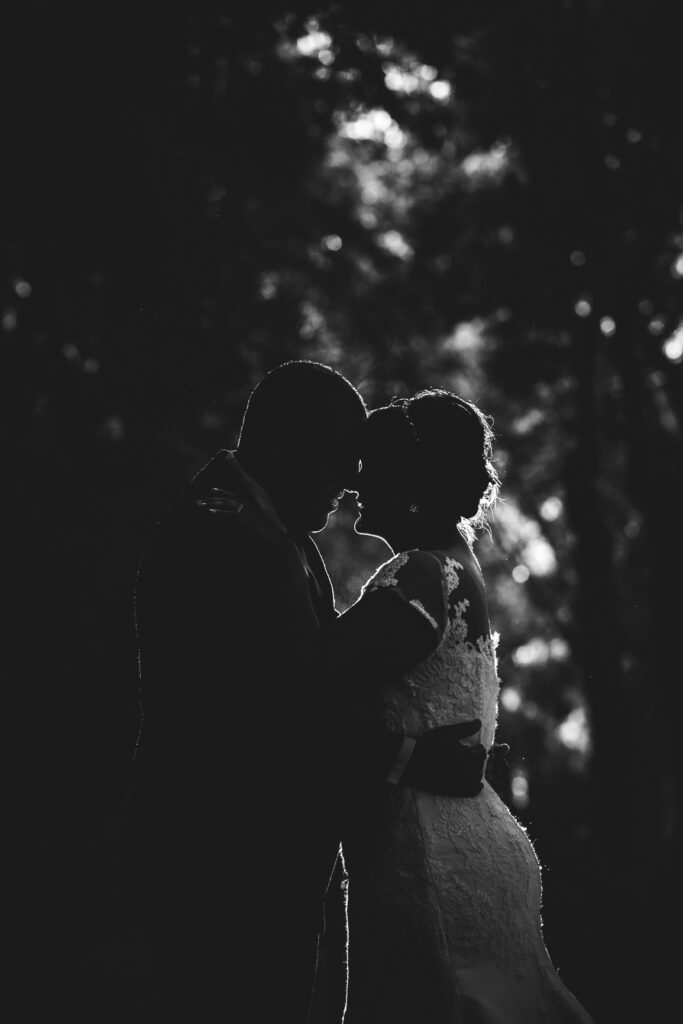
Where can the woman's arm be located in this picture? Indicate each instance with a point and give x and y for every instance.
(380, 637)
(397, 622)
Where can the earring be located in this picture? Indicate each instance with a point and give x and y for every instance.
(414, 509)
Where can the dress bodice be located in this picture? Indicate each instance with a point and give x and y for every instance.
(458, 681)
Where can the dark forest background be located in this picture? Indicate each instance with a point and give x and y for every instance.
(485, 196)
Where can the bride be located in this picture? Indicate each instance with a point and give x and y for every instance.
(444, 893)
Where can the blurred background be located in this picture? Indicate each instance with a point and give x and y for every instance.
(484, 196)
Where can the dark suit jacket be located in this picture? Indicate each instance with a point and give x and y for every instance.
(233, 830)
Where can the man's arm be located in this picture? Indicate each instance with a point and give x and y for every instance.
(437, 762)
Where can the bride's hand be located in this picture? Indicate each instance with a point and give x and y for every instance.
(219, 500)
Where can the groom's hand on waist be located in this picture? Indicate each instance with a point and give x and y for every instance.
(440, 763)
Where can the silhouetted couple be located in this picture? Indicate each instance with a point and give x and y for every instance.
(275, 729)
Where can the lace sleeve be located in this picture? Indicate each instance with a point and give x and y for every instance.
(416, 577)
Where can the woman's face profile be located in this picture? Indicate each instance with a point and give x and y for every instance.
(381, 480)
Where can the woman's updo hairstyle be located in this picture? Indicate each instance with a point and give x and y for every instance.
(454, 477)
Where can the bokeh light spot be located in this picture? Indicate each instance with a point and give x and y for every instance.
(551, 509)
(332, 243)
(510, 698)
(23, 289)
(440, 91)
(573, 732)
(519, 786)
(9, 320)
(673, 346)
(395, 243)
(310, 45)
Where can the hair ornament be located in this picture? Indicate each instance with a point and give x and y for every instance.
(404, 405)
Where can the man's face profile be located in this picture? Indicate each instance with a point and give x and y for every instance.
(325, 464)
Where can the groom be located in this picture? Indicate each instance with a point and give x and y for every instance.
(233, 810)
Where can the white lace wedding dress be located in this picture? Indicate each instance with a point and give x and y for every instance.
(445, 893)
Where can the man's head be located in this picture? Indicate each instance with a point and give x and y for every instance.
(300, 438)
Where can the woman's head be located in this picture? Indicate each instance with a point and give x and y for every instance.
(427, 469)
